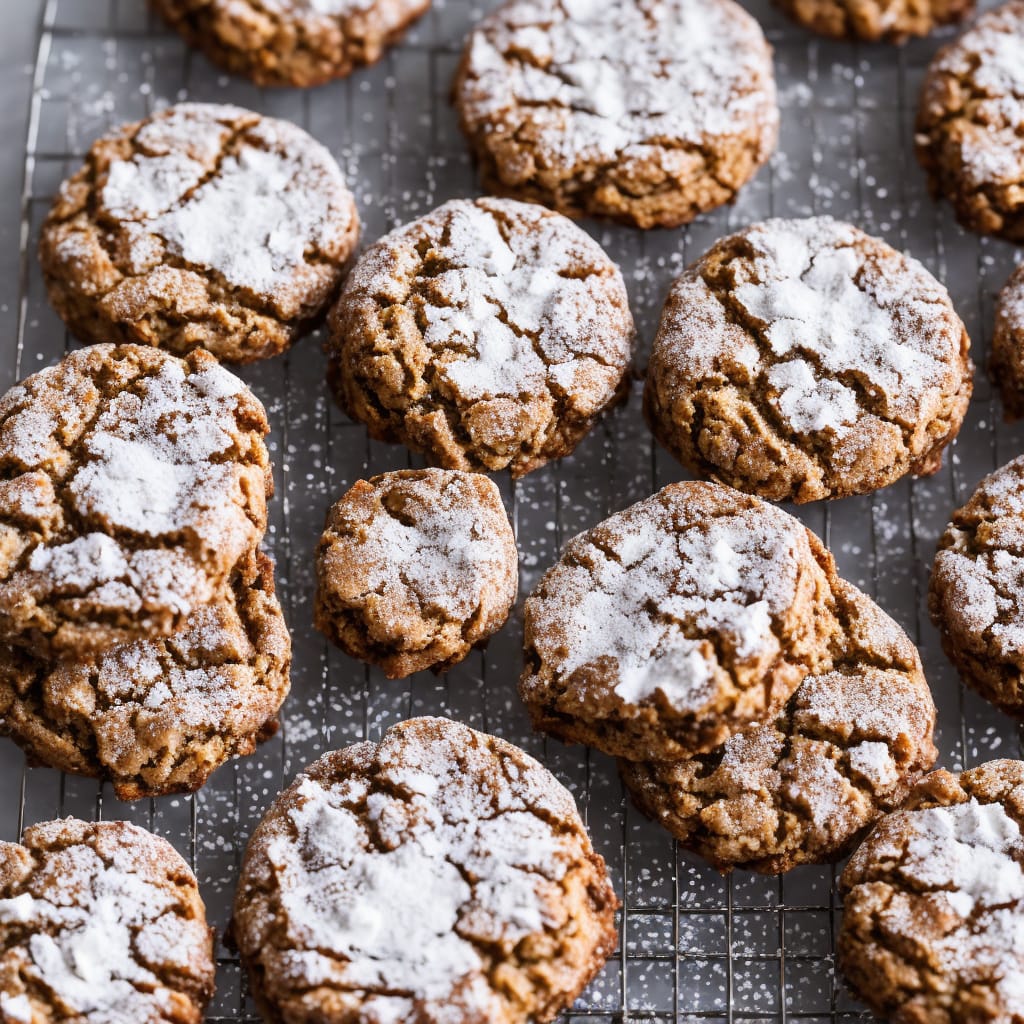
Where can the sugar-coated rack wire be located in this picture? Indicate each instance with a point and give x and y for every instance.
(694, 946)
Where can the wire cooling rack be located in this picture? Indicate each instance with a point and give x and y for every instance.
(694, 945)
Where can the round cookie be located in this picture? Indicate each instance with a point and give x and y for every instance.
(803, 359)
(486, 335)
(158, 716)
(933, 903)
(646, 111)
(969, 136)
(1007, 365)
(291, 42)
(891, 21)
(799, 789)
(977, 588)
(203, 226)
(133, 485)
(101, 922)
(675, 623)
(415, 568)
(335, 922)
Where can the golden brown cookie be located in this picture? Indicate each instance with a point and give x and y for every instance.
(291, 42)
(441, 876)
(677, 622)
(646, 111)
(970, 124)
(890, 21)
(415, 568)
(803, 359)
(158, 716)
(933, 903)
(977, 588)
(101, 923)
(203, 226)
(133, 485)
(486, 335)
(1007, 365)
(800, 789)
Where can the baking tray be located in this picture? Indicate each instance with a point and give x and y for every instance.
(695, 946)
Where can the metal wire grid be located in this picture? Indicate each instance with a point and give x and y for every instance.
(694, 945)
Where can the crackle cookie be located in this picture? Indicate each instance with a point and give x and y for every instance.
(891, 21)
(101, 923)
(646, 111)
(803, 359)
(969, 134)
(415, 568)
(132, 484)
(1007, 365)
(336, 922)
(933, 903)
(977, 588)
(800, 789)
(291, 42)
(158, 716)
(677, 622)
(486, 335)
(203, 226)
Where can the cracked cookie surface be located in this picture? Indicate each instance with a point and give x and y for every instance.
(486, 335)
(204, 226)
(415, 568)
(291, 42)
(335, 922)
(101, 923)
(158, 716)
(1007, 365)
(891, 21)
(977, 588)
(800, 789)
(803, 359)
(933, 903)
(646, 111)
(675, 623)
(969, 134)
(132, 484)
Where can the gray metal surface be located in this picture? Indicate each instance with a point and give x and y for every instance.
(695, 946)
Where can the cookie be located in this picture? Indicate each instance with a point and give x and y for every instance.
(101, 922)
(291, 42)
(977, 588)
(415, 568)
(441, 876)
(203, 226)
(649, 112)
(158, 716)
(933, 903)
(675, 623)
(133, 485)
(1007, 364)
(486, 335)
(801, 788)
(803, 359)
(969, 134)
(890, 21)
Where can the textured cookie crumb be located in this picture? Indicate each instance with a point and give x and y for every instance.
(441, 876)
(646, 111)
(415, 568)
(803, 359)
(203, 226)
(675, 623)
(487, 335)
(801, 788)
(891, 21)
(1007, 365)
(101, 922)
(933, 903)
